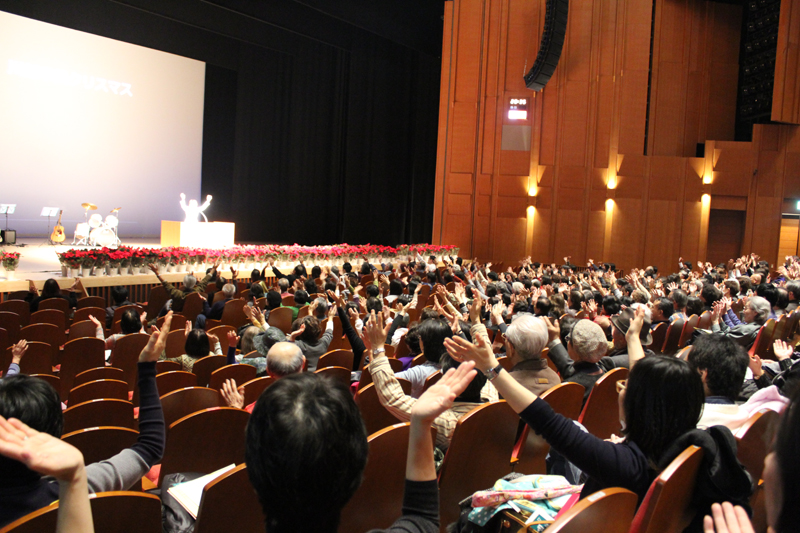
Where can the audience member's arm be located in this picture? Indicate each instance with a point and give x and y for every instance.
(635, 350)
(727, 519)
(50, 456)
(232, 395)
(17, 352)
(233, 341)
(355, 341)
(558, 353)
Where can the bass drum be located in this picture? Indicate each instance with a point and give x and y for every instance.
(103, 237)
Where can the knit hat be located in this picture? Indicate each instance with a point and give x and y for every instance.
(264, 341)
(622, 322)
(588, 340)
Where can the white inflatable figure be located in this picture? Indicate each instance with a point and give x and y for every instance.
(193, 211)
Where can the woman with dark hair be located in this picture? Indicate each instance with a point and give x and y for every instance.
(198, 345)
(130, 322)
(432, 334)
(52, 290)
(661, 402)
(306, 334)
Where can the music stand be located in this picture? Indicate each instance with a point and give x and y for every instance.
(7, 209)
(49, 212)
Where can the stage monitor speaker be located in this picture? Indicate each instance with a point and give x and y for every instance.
(555, 30)
(8, 236)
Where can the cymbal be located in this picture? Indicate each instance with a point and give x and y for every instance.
(115, 209)
(88, 206)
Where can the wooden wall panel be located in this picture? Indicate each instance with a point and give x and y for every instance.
(462, 158)
(626, 233)
(786, 91)
(468, 49)
(659, 248)
(633, 111)
(509, 241)
(790, 231)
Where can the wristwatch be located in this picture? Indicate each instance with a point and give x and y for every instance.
(493, 372)
(378, 351)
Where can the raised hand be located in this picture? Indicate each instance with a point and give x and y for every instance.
(153, 267)
(40, 452)
(18, 351)
(157, 341)
(480, 353)
(233, 338)
(727, 519)
(232, 396)
(296, 333)
(783, 350)
(440, 397)
(187, 328)
(95, 321)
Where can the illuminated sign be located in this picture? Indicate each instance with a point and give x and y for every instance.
(518, 109)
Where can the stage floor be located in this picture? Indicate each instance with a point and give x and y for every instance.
(38, 260)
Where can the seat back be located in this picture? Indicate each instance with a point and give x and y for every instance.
(125, 355)
(233, 313)
(665, 508)
(704, 322)
(239, 373)
(92, 301)
(343, 358)
(50, 379)
(221, 332)
(38, 359)
(101, 443)
(182, 402)
(192, 306)
(82, 329)
(167, 366)
(101, 412)
(253, 388)
(281, 318)
(229, 499)
(20, 307)
(95, 374)
(11, 323)
(178, 322)
(338, 340)
(607, 510)
(531, 449)
(156, 299)
(55, 317)
(659, 334)
(376, 416)
(174, 380)
(673, 337)
(176, 342)
(336, 373)
(100, 389)
(204, 366)
(763, 339)
(753, 442)
(83, 313)
(54, 303)
(432, 380)
(219, 430)
(78, 356)
(381, 490)
(600, 415)
(688, 329)
(46, 333)
(488, 432)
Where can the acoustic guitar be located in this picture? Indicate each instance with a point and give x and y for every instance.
(58, 234)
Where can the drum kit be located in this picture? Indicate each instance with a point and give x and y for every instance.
(95, 231)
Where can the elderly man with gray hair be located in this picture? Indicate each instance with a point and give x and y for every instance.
(526, 337)
(214, 312)
(755, 313)
(283, 359)
(579, 361)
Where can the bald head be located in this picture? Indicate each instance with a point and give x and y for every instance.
(284, 358)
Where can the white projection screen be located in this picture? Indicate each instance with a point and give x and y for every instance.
(89, 119)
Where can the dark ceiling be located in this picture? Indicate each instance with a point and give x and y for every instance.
(413, 23)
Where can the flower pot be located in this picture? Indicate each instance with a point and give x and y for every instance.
(113, 271)
(181, 267)
(86, 272)
(134, 270)
(162, 269)
(11, 275)
(64, 271)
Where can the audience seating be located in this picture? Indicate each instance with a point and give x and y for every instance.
(54, 381)
(688, 328)
(178, 322)
(79, 355)
(120, 512)
(205, 441)
(281, 318)
(54, 303)
(240, 373)
(101, 412)
(38, 359)
(376, 416)
(46, 333)
(92, 301)
(418, 360)
(11, 323)
(600, 415)
(253, 388)
(125, 355)
(167, 366)
(531, 449)
(763, 340)
(221, 333)
(665, 508)
(100, 389)
(343, 358)
(753, 442)
(683, 353)
(287, 301)
(673, 336)
(95, 374)
(366, 375)
(704, 322)
(182, 402)
(229, 499)
(17, 295)
(233, 313)
(20, 307)
(83, 313)
(487, 432)
(204, 366)
(84, 328)
(156, 299)
(55, 317)
(338, 340)
(432, 380)
(176, 342)
(119, 311)
(659, 334)
(174, 380)
(3, 345)
(337, 373)
(99, 443)
(192, 306)
(381, 491)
